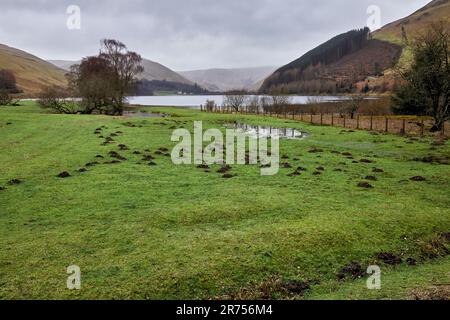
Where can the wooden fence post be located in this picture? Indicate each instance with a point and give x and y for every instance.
(371, 122)
(357, 122)
(312, 118)
(332, 119)
(321, 119)
(344, 121)
(403, 132)
(387, 125)
(422, 127)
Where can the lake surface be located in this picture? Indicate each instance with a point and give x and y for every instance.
(191, 101)
(266, 132)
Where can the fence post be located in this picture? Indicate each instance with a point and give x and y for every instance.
(312, 118)
(422, 127)
(403, 132)
(357, 122)
(371, 122)
(344, 121)
(321, 119)
(387, 125)
(332, 119)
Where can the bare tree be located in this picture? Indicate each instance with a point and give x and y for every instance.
(253, 104)
(104, 81)
(210, 105)
(236, 100)
(280, 103)
(56, 99)
(126, 65)
(354, 103)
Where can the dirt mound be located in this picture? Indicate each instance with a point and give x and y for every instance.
(353, 270)
(418, 178)
(371, 178)
(389, 258)
(114, 154)
(224, 169)
(123, 147)
(434, 159)
(63, 174)
(227, 176)
(365, 185)
(365, 161)
(14, 182)
(377, 170)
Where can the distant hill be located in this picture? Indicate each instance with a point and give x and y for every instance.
(32, 73)
(356, 59)
(229, 79)
(152, 71)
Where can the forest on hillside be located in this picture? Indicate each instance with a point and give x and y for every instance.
(326, 68)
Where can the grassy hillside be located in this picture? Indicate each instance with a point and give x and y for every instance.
(415, 23)
(163, 231)
(32, 74)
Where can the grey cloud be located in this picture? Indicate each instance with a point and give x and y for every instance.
(190, 34)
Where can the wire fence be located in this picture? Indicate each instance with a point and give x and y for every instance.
(403, 125)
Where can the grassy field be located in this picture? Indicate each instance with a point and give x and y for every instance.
(176, 232)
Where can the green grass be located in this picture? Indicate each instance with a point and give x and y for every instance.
(176, 232)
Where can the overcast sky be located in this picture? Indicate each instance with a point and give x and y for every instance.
(190, 34)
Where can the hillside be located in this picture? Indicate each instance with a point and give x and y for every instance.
(32, 73)
(348, 61)
(335, 66)
(228, 79)
(434, 11)
(152, 71)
